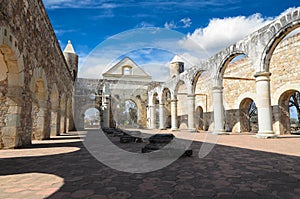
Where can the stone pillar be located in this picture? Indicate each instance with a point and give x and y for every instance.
(263, 103)
(219, 119)
(58, 117)
(191, 112)
(53, 122)
(152, 116)
(106, 111)
(174, 121)
(162, 117)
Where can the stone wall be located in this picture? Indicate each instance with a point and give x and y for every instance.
(32, 56)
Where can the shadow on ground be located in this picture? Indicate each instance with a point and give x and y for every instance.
(226, 172)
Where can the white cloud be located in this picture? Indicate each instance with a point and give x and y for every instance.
(187, 22)
(170, 25)
(182, 23)
(99, 4)
(144, 24)
(221, 33)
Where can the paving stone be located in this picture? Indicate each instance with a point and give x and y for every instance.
(120, 195)
(184, 178)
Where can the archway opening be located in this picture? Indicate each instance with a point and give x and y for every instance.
(248, 116)
(199, 119)
(11, 82)
(38, 110)
(166, 100)
(237, 78)
(202, 88)
(182, 114)
(282, 61)
(92, 119)
(289, 112)
(125, 113)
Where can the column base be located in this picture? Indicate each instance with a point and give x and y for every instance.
(265, 135)
(193, 130)
(163, 128)
(220, 133)
(174, 129)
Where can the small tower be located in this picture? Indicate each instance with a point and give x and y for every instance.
(72, 59)
(176, 66)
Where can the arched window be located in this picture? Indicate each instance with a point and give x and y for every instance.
(127, 70)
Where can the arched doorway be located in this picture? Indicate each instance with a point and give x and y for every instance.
(199, 118)
(248, 116)
(39, 110)
(92, 119)
(289, 111)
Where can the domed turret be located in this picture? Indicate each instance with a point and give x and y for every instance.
(176, 66)
(72, 59)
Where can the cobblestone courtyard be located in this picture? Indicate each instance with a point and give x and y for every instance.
(239, 166)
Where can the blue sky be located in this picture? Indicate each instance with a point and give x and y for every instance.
(211, 24)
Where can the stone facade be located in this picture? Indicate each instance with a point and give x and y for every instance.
(33, 70)
(108, 95)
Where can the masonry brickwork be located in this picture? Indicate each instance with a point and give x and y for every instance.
(34, 67)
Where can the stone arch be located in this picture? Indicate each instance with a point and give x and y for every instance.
(80, 118)
(222, 65)
(278, 93)
(284, 111)
(275, 34)
(195, 79)
(54, 99)
(166, 104)
(12, 84)
(199, 119)
(142, 111)
(93, 121)
(248, 116)
(39, 90)
(181, 93)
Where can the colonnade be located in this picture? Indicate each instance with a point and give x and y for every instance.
(263, 106)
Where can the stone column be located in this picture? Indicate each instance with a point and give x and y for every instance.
(219, 119)
(53, 122)
(152, 116)
(191, 112)
(263, 104)
(174, 121)
(162, 117)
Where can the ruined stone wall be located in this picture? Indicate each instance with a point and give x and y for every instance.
(26, 30)
(239, 83)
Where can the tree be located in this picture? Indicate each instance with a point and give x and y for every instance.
(295, 102)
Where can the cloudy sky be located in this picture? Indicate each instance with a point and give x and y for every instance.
(152, 32)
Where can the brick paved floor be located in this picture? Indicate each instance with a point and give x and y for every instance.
(239, 166)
